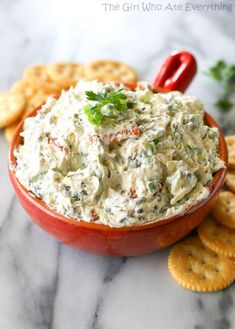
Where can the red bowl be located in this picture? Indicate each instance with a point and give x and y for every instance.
(124, 241)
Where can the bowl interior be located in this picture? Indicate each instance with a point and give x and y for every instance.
(214, 186)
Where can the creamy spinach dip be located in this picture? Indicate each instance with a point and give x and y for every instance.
(106, 154)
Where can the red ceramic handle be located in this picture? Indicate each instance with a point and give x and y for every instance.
(176, 73)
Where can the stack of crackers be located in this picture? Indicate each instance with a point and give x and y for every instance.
(41, 81)
(207, 262)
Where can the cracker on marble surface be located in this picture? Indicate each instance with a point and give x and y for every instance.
(39, 79)
(65, 74)
(36, 72)
(217, 237)
(197, 268)
(230, 140)
(224, 209)
(230, 180)
(24, 87)
(109, 70)
(11, 107)
(45, 86)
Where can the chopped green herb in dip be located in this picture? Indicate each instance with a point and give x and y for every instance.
(106, 154)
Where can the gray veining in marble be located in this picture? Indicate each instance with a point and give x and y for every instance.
(45, 285)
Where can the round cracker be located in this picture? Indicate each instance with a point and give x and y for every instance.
(10, 130)
(11, 107)
(230, 181)
(24, 87)
(65, 74)
(39, 79)
(224, 209)
(230, 140)
(217, 237)
(197, 268)
(36, 72)
(45, 86)
(108, 70)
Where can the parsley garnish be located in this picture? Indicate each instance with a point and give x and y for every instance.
(94, 114)
(225, 75)
(109, 105)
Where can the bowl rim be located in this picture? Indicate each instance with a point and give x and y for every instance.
(214, 187)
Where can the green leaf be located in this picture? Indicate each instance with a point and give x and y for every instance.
(224, 73)
(91, 96)
(224, 104)
(217, 71)
(94, 115)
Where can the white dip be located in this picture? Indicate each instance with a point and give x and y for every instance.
(118, 157)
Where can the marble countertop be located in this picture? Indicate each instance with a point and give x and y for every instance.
(46, 285)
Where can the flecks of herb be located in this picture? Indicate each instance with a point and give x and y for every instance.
(175, 128)
(204, 136)
(100, 158)
(189, 150)
(142, 127)
(156, 141)
(135, 162)
(153, 186)
(186, 174)
(130, 104)
(147, 97)
(66, 187)
(84, 193)
(172, 108)
(150, 149)
(76, 197)
(110, 211)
